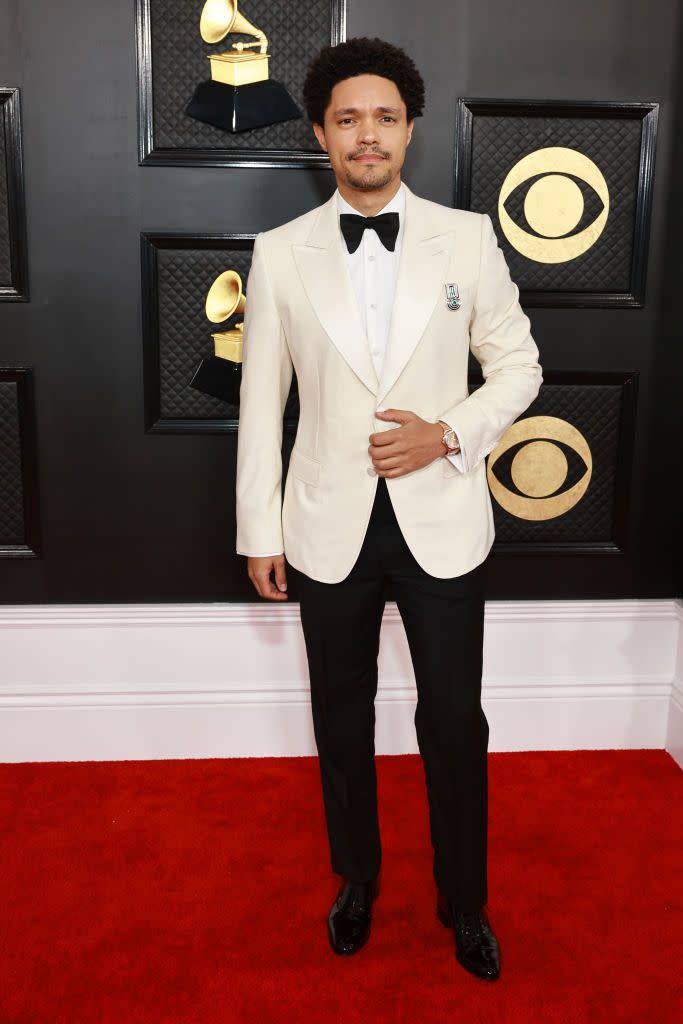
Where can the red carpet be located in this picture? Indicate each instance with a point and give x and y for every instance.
(174, 892)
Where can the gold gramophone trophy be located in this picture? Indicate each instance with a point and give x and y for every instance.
(219, 375)
(239, 95)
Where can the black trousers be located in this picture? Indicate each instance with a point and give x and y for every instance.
(444, 624)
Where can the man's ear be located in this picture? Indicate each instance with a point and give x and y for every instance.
(411, 124)
(320, 135)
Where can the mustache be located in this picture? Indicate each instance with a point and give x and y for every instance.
(369, 152)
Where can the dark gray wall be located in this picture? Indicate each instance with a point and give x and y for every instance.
(129, 516)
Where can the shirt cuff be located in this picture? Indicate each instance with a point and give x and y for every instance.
(260, 554)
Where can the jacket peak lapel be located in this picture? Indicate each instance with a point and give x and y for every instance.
(324, 271)
(425, 252)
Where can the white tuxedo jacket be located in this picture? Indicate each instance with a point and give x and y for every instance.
(301, 314)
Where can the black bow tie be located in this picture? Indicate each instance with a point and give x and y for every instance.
(353, 225)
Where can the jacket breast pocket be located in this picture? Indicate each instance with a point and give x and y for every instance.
(303, 467)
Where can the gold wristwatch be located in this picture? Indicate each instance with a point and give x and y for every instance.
(450, 439)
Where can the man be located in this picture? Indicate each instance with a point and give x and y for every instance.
(375, 299)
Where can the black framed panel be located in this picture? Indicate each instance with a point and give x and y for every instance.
(13, 258)
(19, 517)
(560, 476)
(568, 186)
(177, 273)
(172, 60)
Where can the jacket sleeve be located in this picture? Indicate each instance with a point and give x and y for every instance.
(266, 379)
(501, 341)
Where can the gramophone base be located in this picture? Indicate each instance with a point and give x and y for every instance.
(219, 378)
(239, 108)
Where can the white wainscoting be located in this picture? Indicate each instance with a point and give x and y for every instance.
(674, 735)
(119, 682)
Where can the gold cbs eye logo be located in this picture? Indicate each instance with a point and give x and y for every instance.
(536, 457)
(554, 204)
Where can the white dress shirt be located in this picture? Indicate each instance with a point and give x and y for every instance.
(374, 269)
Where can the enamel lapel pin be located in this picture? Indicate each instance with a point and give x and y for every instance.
(452, 295)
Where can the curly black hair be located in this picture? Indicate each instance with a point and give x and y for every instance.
(361, 56)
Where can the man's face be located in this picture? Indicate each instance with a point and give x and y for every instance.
(365, 132)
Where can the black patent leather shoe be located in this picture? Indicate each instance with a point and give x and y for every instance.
(349, 920)
(476, 947)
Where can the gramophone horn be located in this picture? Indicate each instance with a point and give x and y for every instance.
(225, 297)
(219, 17)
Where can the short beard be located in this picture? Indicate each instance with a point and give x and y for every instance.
(366, 183)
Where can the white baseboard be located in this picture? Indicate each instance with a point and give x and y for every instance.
(674, 733)
(120, 682)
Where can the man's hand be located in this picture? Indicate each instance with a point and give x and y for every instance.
(259, 570)
(414, 444)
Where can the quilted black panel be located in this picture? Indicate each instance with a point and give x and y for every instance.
(296, 31)
(5, 256)
(595, 410)
(499, 142)
(184, 278)
(11, 491)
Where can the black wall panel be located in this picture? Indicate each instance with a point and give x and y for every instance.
(19, 504)
(131, 514)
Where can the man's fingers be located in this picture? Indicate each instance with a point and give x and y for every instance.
(395, 414)
(401, 417)
(266, 588)
(270, 591)
(259, 574)
(378, 454)
(383, 438)
(280, 574)
(381, 465)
